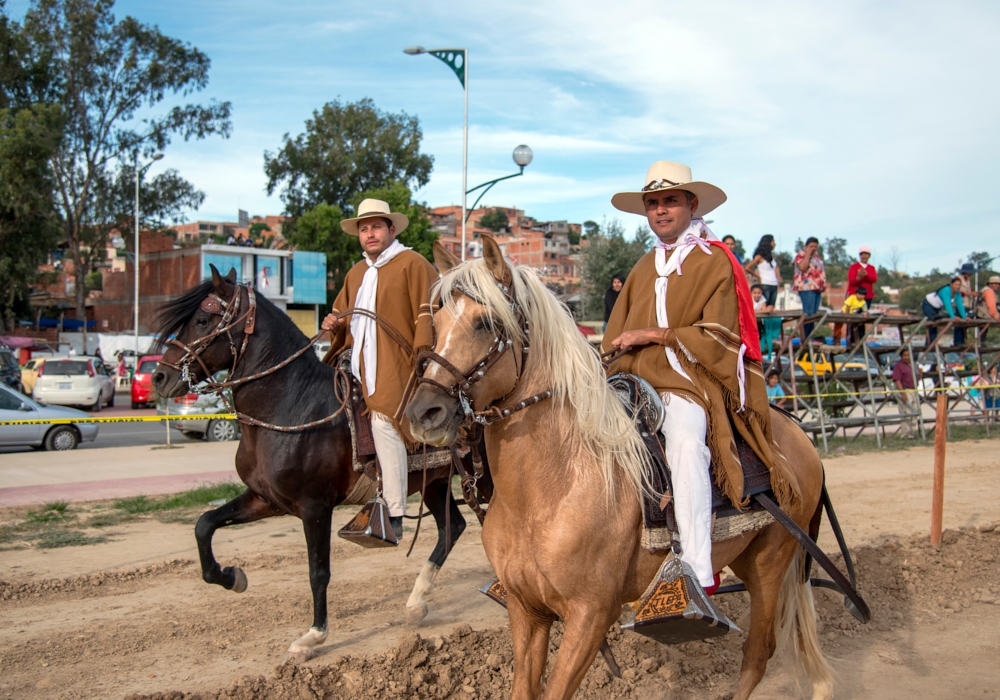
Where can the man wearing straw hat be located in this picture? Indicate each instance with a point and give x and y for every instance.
(687, 315)
(394, 282)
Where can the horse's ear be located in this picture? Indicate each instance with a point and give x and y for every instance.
(444, 259)
(222, 284)
(494, 260)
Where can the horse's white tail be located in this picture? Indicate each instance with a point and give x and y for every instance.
(795, 631)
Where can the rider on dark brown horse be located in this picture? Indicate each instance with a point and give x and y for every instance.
(394, 282)
(694, 338)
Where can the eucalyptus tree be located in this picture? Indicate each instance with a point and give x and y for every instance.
(121, 86)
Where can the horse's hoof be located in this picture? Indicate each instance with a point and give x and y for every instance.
(415, 614)
(298, 655)
(241, 580)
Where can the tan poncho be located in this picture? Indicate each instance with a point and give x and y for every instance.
(703, 314)
(404, 301)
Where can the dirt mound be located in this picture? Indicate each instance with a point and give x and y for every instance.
(906, 582)
(82, 585)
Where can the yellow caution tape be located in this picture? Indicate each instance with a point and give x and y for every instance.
(117, 419)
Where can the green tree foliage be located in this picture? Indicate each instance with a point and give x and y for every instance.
(606, 254)
(590, 228)
(495, 220)
(29, 135)
(103, 72)
(162, 199)
(983, 262)
(347, 149)
(29, 227)
(258, 228)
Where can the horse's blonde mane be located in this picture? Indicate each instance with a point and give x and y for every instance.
(565, 362)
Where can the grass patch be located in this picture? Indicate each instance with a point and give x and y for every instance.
(108, 519)
(55, 512)
(197, 497)
(53, 539)
(960, 432)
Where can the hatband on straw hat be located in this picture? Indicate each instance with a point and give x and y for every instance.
(374, 209)
(665, 175)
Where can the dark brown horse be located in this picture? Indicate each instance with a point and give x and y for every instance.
(305, 473)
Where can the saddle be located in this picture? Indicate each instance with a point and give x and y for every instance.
(362, 437)
(645, 407)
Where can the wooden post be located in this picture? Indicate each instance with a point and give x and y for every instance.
(940, 441)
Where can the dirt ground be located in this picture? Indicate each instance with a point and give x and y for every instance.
(131, 617)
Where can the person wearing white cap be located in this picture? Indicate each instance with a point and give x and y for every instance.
(686, 317)
(861, 274)
(986, 307)
(394, 282)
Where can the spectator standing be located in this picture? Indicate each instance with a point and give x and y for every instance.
(986, 307)
(730, 242)
(767, 272)
(904, 377)
(856, 304)
(775, 394)
(611, 296)
(946, 302)
(809, 279)
(968, 288)
(861, 274)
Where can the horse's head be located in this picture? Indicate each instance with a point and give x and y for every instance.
(193, 328)
(477, 356)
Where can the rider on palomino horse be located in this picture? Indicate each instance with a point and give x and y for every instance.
(687, 314)
(394, 282)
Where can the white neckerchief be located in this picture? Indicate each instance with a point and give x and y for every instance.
(362, 327)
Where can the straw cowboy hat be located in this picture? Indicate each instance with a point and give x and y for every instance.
(374, 209)
(664, 175)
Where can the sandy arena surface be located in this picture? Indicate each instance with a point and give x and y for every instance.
(132, 616)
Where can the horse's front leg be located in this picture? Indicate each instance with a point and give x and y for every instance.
(245, 508)
(436, 497)
(316, 524)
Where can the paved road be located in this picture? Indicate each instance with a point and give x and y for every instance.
(123, 434)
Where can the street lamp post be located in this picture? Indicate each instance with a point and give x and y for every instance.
(522, 157)
(135, 263)
(458, 61)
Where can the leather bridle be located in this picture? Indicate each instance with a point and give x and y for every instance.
(503, 342)
(215, 305)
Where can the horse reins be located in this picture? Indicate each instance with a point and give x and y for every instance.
(215, 305)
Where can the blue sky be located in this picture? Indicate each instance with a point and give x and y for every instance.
(874, 121)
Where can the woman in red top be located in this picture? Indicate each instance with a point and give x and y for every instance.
(861, 274)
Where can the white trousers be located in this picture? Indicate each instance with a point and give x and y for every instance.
(391, 453)
(689, 459)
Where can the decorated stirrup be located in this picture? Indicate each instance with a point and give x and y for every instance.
(675, 608)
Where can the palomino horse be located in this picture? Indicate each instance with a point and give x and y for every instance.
(563, 529)
(305, 473)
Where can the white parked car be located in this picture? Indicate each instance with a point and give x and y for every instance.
(75, 381)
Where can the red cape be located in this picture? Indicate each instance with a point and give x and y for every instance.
(747, 316)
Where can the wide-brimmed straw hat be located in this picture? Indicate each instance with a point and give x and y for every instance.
(994, 279)
(374, 209)
(665, 175)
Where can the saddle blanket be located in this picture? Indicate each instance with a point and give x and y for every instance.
(645, 406)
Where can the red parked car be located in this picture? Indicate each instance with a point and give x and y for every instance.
(142, 382)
